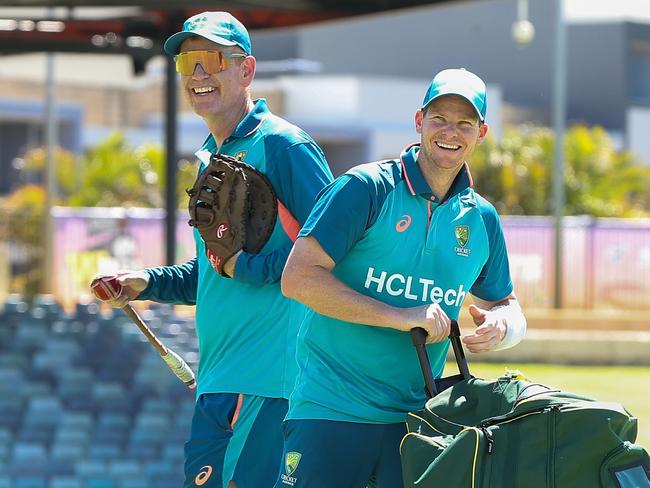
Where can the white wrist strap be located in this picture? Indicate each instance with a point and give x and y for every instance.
(515, 322)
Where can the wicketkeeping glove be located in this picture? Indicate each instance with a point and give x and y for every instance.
(233, 206)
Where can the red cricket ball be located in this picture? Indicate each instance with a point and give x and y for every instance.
(106, 288)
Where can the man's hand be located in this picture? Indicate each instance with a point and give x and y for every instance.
(120, 289)
(489, 332)
(431, 318)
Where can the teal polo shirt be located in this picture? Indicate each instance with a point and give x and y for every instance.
(246, 328)
(392, 240)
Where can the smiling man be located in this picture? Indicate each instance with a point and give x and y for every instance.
(391, 246)
(246, 328)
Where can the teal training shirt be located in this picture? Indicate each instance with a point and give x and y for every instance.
(246, 328)
(393, 241)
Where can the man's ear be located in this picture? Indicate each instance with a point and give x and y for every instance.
(419, 116)
(247, 69)
(482, 132)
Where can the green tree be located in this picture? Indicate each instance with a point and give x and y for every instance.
(66, 170)
(110, 174)
(113, 174)
(516, 173)
(601, 181)
(21, 225)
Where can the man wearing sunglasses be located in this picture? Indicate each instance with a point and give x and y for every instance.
(246, 329)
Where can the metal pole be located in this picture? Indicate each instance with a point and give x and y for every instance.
(171, 166)
(559, 121)
(522, 9)
(50, 177)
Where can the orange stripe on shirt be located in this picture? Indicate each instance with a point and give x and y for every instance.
(235, 416)
(288, 222)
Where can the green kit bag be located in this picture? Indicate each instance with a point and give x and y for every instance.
(511, 433)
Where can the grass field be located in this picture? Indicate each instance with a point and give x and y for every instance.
(627, 385)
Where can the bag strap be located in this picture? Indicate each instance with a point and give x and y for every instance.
(431, 385)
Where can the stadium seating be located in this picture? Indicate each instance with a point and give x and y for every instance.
(85, 402)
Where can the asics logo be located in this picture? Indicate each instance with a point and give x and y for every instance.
(203, 476)
(403, 223)
(221, 230)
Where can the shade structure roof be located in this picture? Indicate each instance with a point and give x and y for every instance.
(139, 27)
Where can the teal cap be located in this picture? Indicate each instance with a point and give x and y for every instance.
(462, 83)
(218, 27)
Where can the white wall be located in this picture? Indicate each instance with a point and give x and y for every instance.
(387, 144)
(377, 99)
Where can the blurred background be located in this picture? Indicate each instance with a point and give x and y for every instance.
(96, 148)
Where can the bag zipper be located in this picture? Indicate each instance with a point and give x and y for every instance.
(490, 441)
(427, 423)
(519, 398)
(505, 419)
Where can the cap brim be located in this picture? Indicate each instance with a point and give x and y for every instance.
(172, 45)
(462, 95)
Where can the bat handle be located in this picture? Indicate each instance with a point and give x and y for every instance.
(180, 368)
(176, 363)
(144, 328)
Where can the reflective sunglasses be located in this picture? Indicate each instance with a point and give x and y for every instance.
(211, 61)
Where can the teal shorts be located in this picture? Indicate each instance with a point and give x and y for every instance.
(326, 453)
(234, 437)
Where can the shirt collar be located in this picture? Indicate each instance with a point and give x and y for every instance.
(414, 178)
(249, 124)
(253, 119)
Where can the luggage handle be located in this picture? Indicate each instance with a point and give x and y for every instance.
(433, 386)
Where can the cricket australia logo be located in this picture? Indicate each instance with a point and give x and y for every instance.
(240, 155)
(462, 238)
(291, 461)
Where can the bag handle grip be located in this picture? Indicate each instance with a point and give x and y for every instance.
(433, 386)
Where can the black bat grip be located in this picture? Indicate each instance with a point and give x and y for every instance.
(419, 338)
